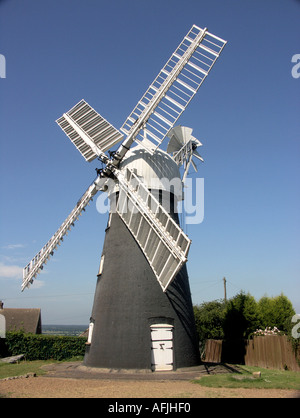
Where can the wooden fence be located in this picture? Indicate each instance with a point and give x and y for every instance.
(272, 351)
(213, 351)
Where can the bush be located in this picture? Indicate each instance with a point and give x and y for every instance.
(44, 347)
(241, 317)
(209, 317)
(276, 312)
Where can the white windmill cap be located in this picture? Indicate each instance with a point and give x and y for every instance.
(158, 171)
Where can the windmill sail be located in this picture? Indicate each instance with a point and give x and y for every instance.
(36, 264)
(91, 134)
(162, 241)
(174, 87)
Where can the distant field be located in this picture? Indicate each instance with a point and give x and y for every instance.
(63, 329)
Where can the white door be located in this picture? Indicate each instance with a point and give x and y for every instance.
(162, 347)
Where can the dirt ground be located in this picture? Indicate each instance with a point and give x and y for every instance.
(70, 381)
(44, 387)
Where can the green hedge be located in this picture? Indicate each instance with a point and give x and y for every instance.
(44, 347)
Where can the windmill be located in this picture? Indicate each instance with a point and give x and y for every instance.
(142, 316)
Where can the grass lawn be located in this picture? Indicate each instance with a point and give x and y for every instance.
(270, 379)
(23, 367)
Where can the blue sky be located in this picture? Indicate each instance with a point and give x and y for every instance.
(246, 114)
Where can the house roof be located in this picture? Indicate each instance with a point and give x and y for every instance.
(17, 319)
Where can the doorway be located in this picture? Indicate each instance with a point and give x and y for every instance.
(161, 347)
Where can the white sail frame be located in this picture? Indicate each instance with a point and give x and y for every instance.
(161, 239)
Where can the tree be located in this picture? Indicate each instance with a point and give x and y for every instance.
(266, 314)
(241, 317)
(240, 320)
(209, 317)
(276, 312)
